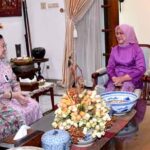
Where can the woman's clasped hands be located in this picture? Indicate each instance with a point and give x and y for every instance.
(117, 81)
(21, 97)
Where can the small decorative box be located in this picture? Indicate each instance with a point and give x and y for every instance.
(56, 140)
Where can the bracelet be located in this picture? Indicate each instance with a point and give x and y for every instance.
(10, 95)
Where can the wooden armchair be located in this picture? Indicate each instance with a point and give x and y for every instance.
(100, 76)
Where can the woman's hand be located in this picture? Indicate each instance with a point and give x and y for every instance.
(20, 97)
(118, 81)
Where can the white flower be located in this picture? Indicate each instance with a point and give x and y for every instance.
(102, 124)
(94, 133)
(58, 111)
(93, 94)
(64, 115)
(74, 108)
(87, 116)
(91, 121)
(85, 130)
(64, 124)
(81, 95)
(99, 134)
(81, 123)
(94, 119)
(88, 124)
(69, 121)
(61, 127)
(93, 124)
(98, 100)
(67, 127)
(98, 106)
(106, 117)
(75, 124)
(90, 107)
(97, 96)
(54, 124)
(97, 127)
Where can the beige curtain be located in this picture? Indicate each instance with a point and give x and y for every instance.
(75, 10)
(88, 44)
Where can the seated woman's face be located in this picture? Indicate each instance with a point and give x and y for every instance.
(121, 37)
(2, 48)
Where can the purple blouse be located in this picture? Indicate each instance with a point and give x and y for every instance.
(127, 60)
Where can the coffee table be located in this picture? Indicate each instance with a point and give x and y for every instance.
(118, 125)
(34, 137)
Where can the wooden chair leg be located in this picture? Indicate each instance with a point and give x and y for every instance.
(54, 107)
(146, 90)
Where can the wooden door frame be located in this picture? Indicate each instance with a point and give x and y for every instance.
(111, 20)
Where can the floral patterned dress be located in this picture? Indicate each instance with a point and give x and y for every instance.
(29, 113)
(10, 121)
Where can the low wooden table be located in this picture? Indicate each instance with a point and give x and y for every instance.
(34, 139)
(118, 125)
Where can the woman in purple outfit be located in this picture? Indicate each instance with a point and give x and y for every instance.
(11, 94)
(126, 64)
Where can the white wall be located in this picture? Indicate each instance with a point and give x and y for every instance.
(47, 27)
(136, 13)
(48, 30)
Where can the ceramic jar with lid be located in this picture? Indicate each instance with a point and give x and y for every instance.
(56, 140)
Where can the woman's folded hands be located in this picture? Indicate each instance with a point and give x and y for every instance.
(21, 97)
(119, 80)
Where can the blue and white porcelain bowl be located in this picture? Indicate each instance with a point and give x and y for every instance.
(120, 102)
(86, 141)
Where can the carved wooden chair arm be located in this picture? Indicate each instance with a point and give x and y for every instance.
(95, 75)
(146, 87)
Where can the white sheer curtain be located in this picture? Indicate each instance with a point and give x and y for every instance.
(87, 44)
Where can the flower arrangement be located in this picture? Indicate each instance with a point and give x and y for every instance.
(82, 112)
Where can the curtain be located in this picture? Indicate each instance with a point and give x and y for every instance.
(75, 10)
(87, 44)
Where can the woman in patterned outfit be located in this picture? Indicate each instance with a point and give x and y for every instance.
(12, 96)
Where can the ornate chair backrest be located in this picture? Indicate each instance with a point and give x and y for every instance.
(146, 51)
(146, 78)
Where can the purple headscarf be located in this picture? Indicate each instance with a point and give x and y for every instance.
(129, 32)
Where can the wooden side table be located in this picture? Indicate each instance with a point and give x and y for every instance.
(46, 89)
(39, 61)
(36, 91)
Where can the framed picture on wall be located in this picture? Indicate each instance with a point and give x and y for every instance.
(10, 8)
